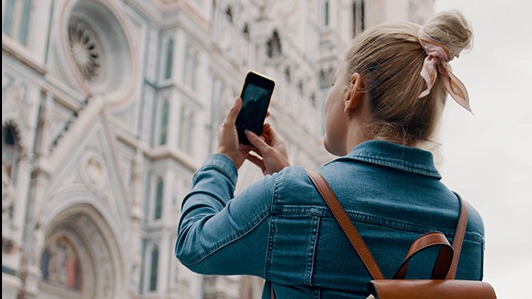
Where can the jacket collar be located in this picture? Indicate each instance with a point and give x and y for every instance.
(396, 156)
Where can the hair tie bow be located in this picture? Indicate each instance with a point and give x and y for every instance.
(437, 62)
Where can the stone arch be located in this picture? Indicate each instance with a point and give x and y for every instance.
(95, 245)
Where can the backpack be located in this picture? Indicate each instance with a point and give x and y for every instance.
(442, 283)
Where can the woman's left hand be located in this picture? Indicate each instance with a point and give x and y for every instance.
(228, 144)
(271, 153)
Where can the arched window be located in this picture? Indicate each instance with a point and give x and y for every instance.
(326, 13)
(191, 67)
(164, 122)
(10, 151)
(273, 45)
(159, 199)
(288, 75)
(359, 16)
(8, 10)
(229, 14)
(169, 59)
(245, 32)
(24, 22)
(154, 268)
(326, 78)
(15, 19)
(362, 15)
(186, 127)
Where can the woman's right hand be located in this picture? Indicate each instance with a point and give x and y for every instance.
(270, 149)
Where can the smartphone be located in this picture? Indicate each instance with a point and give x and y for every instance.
(256, 94)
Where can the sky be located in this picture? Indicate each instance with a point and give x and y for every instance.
(487, 155)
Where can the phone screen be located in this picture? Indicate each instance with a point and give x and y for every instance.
(256, 95)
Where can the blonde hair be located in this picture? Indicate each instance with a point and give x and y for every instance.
(390, 59)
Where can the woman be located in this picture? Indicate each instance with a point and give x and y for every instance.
(386, 102)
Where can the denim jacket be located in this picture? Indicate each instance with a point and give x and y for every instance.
(280, 229)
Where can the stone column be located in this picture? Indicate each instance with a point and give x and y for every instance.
(33, 243)
(38, 30)
(21, 199)
(136, 216)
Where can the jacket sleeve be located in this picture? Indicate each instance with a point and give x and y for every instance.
(221, 234)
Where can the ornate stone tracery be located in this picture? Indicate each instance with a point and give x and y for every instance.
(93, 170)
(85, 49)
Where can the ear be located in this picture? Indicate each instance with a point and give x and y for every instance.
(355, 92)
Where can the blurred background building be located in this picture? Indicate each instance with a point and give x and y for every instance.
(109, 106)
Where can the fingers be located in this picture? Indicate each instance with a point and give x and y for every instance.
(269, 151)
(256, 141)
(269, 134)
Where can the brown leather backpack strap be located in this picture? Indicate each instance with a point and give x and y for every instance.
(345, 223)
(458, 239)
(443, 261)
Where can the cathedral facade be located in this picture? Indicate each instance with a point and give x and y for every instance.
(108, 108)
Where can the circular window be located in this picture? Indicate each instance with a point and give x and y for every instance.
(86, 50)
(96, 54)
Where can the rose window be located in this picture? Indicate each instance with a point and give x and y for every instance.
(85, 50)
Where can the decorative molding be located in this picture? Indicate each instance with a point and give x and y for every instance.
(22, 55)
(93, 170)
